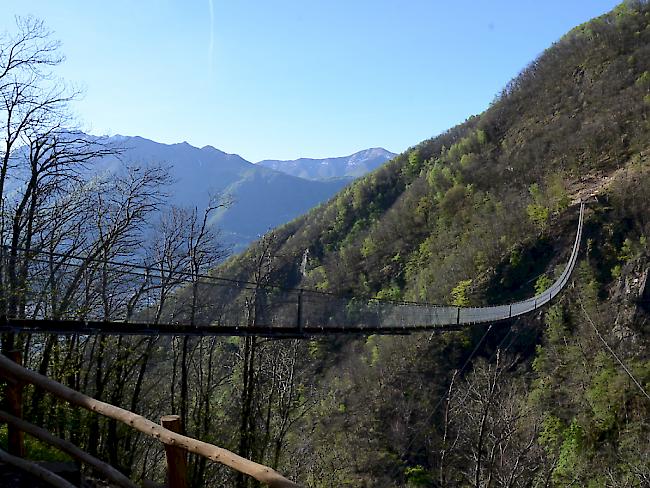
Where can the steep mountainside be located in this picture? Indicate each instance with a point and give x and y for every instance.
(262, 198)
(484, 213)
(353, 166)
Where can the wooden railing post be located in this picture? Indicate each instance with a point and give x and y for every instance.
(16, 437)
(176, 457)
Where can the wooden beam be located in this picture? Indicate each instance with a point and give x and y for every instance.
(260, 472)
(106, 470)
(176, 457)
(35, 470)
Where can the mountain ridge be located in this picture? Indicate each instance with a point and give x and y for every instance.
(263, 198)
(351, 166)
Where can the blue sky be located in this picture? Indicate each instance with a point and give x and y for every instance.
(281, 79)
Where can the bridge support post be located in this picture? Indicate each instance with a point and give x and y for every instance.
(15, 436)
(176, 457)
(299, 316)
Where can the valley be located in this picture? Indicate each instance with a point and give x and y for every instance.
(471, 312)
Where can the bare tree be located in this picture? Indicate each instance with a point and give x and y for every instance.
(41, 156)
(494, 433)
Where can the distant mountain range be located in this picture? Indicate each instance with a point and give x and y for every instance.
(263, 197)
(353, 166)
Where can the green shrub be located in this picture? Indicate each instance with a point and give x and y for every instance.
(36, 450)
(538, 214)
(643, 81)
(459, 293)
(417, 476)
(542, 284)
(570, 450)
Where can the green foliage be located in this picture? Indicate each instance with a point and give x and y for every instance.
(467, 147)
(481, 261)
(539, 365)
(342, 212)
(627, 251)
(36, 450)
(515, 258)
(392, 292)
(315, 349)
(468, 160)
(372, 346)
(368, 247)
(453, 200)
(417, 476)
(414, 164)
(607, 386)
(318, 276)
(538, 214)
(456, 151)
(555, 321)
(550, 436)
(643, 81)
(542, 284)
(630, 249)
(553, 199)
(623, 9)
(440, 177)
(424, 209)
(481, 137)
(459, 293)
(557, 193)
(570, 451)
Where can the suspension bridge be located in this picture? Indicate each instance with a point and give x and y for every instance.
(130, 296)
(211, 306)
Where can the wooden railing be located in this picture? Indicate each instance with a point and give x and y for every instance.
(174, 442)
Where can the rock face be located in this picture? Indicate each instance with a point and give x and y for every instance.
(632, 294)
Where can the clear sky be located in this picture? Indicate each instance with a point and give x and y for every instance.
(281, 79)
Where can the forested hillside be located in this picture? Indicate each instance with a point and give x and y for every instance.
(483, 213)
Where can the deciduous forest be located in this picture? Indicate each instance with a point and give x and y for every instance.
(482, 214)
